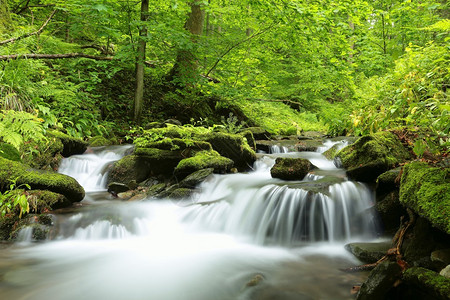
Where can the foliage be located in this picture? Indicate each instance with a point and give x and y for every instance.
(10, 200)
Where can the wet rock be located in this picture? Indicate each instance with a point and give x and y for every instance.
(117, 187)
(194, 179)
(317, 186)
(203, 160)
(71, 145)
(156, 189)
(308, 145)
(372, 155)
(250, 139)
(40, 180)
(388, 182)
(181, 193)
(445, 272)
(380, 281)
(267, 146)
(426, 190)
(368, 252)
(422, 283)
(390, 211)
(441, 258)
(291, 168)
(331, 153)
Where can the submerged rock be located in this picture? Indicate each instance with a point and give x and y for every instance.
(372, 155)
(368, 252)
(291, 168)
(426, 190)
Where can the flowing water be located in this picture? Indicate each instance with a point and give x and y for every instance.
(241, 236)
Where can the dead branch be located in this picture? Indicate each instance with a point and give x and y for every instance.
(11, 40)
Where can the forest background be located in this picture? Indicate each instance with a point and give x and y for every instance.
(103, 67)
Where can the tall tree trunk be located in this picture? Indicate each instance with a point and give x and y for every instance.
(5, 18)
(139, 95)
(186, 63)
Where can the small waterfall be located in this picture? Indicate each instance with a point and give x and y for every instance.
(25, 235)
(329, 143)
(90, 169)
(278, 149)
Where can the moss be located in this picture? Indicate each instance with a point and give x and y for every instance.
(247, 134)
(178, 144)
(42, 201)
(9, 152)
(258, 133)
(98, 141)
(40, 180)
(47, 155)
(426, 190)
(156, 189)
(196, 178)
(204, 160)
(372, 155)
(181, 193)
(434, 284)
(290, 168)
(71, 145)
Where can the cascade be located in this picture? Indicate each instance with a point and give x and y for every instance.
(278, 149)
(238, 226)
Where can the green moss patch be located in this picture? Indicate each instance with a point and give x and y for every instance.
(435, 285)
(204, 160)
(426, 190)
(98, 141)
(71, 145)
(290, 168)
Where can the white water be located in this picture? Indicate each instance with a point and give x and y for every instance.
(278, 149)
(241, 225)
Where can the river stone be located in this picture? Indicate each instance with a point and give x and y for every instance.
(422, 283)
(368, 252)
(445, 272)
(380, 282)
(441, 257)
(317, 186)
(117, 187)
(372, 155)
(194, 179)
(290, 168)
(39, 180)
(308, 145)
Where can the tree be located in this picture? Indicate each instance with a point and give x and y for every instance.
(139, 94)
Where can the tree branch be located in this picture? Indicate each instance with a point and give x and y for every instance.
(11, 40)
(234, 46)
(53, 56)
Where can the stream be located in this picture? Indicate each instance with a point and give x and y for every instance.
(240, 236)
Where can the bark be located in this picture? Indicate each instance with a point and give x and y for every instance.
(139, 93)
(186, 64)
(12, 40)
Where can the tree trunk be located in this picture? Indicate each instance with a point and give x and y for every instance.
(185, 68)
(139, 95)
(5, 18)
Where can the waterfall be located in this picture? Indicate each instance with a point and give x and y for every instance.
(278, 149)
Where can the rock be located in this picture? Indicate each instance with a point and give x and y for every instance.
(42, 201)
(156, 189)
(181, 193)
(117, 187)
(174, 144)
(445, 272)
(441, 257)
(317, 186)
(9, 152)
(331, 153)
(387, 182)
(234, 147)
(380, 282)
(194, 179)
(309, 145)
(250, 139)
(426, 190)
(368, 252)
(258, 133)
(290, 168)
(422, 283)
(390, 211)
(372, 155)
(173, 122)
(71, 145)
(98, 141)
(40, 180)
(138, 197)
(313, 134)
(47, 155)
(203, 160)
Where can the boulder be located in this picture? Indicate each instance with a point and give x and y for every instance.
(308, 145)
(258, 133)
(426, 190)
(98, 141)
(194, 179)
(250, 139)
(368, 252)
(203, 160)
(388, 182)
(380, 282)
(372, 155)
(441, 258)
(390, 211)
(117, 187)
(422, 283)
(291, 168)
(71, 145)
(40, 180)
(233, 146)
(42, 201)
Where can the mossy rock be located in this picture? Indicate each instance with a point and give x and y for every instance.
(40, 180)
(233, 146)
(181, 193)
(308, 145)
(42, 201)
(390, 211)
(380, 281)
(426, 190)
(291, 168)
(368, 252)
(9, 152)
(331, 153)
(7, 225)
(47, 155)
(196, 178)
(154, 190)
(372, 155)
(247, 134)
(422, 283)
(98, 141)
(71, 145)
(178, 144)
(203, 160)
(258, 133)
(388, 182)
